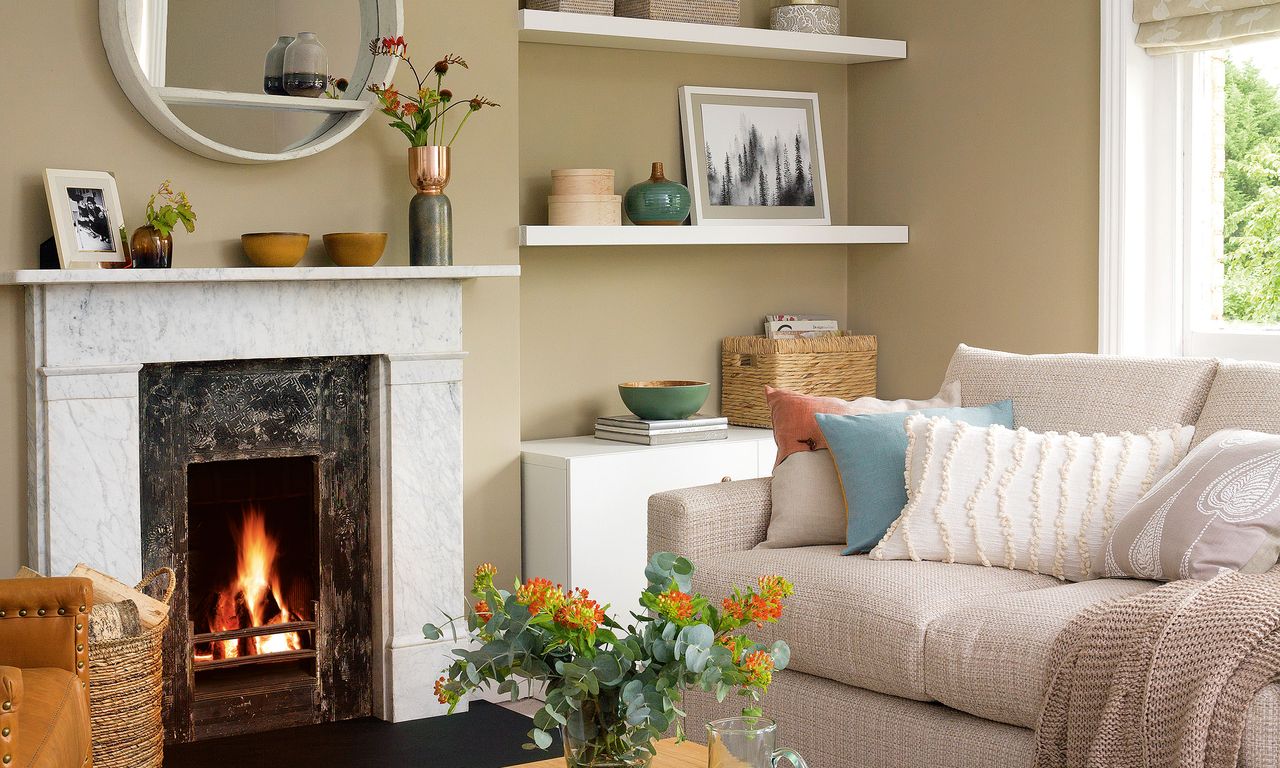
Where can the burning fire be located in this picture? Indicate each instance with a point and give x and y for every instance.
(255, 591)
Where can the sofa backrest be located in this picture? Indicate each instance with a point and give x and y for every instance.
(1087, 393)
(1244, 395)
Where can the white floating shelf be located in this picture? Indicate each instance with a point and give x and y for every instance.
(710, 235)
(645, 35)
(195, 97)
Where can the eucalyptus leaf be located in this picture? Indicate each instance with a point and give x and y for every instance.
(431, 632)
(541, 738)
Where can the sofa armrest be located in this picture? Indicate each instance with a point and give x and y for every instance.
(709, 520)
(10, 701)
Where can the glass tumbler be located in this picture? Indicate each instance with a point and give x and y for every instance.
(746, 742)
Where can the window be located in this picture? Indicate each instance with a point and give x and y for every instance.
(1189, 225)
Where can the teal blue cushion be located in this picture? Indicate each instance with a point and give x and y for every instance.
(870, 452)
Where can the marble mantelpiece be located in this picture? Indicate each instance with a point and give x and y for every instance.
(89, 333)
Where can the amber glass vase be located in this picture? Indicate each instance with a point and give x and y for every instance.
(150, 249)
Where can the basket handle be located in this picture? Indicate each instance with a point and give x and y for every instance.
(151, 577)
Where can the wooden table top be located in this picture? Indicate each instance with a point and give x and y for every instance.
(670, 755)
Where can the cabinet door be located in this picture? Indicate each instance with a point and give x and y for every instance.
(609, 506)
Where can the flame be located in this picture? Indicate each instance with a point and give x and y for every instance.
(255, 590)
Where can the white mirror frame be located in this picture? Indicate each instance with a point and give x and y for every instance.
(378, 18)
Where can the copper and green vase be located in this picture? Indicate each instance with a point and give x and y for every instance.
(658, 201)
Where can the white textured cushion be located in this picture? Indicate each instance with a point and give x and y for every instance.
(1244, 395)
(1044, 503)
(1085, 393)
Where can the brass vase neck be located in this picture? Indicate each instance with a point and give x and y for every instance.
(429, 169)
(657, 174)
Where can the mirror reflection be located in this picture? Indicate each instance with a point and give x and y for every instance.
(303, 48)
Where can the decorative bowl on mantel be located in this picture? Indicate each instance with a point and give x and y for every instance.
(275, 249)
(355, 249)
(664, 400)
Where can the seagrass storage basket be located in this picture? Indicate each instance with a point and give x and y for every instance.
(835, 366)
(723, 12)
(598, 7)
(126, 683)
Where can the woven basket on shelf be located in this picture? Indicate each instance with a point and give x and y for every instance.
(126, 681)
(598, 7)
(723, 12)
(835, 366)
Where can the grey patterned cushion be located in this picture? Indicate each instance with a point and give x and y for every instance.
(1085, 393)
(1217, 510)
(1244, 395)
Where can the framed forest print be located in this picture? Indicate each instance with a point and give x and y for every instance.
(754, 157)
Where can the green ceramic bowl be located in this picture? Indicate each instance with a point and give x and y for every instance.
(663, 400)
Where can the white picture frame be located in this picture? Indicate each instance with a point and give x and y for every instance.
(757, 133)
(86, 214)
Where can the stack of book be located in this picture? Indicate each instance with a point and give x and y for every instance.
(787, 326)
(633, 429)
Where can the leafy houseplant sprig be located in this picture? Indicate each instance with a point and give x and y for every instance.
(174, 208)
(613, 690)
(420, 115)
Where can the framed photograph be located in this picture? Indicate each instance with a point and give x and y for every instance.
(85, 208)
(754, 157)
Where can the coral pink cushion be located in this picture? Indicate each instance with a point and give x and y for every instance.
(795, 429)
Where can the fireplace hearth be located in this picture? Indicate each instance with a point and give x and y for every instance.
(256, 492)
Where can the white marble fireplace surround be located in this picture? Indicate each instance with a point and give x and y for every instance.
(89, 332)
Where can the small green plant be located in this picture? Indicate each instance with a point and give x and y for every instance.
(174, 208)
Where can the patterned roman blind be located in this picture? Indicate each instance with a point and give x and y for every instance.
(1174, 26)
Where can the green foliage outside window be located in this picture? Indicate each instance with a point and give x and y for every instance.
(1251, 246)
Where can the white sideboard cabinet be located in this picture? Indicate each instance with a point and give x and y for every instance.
(585, 504)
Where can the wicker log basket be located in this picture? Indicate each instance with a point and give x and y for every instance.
(835, 366)
(126, 681)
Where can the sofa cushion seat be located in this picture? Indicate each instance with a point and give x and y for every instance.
(859, 621)
(990, 658)
(53, 722)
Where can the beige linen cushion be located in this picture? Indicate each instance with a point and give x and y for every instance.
(1244, 395)
(1085, 393)
(808, 504)
(808, 501)
(1044, 503)
(1219, 510)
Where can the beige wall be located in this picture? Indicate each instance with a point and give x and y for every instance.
(984, 141)
(593, 317)
(79, 118)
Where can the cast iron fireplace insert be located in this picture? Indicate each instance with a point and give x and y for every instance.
(255, 490)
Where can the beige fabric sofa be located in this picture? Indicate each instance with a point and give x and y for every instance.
(926, 664)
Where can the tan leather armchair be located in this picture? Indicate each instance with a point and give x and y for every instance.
(44, 673)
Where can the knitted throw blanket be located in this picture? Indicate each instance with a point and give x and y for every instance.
(1163, 678)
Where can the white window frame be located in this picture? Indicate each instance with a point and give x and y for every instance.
(1150, 239)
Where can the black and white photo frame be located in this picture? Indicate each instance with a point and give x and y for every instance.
(754, 157)
(87, 218)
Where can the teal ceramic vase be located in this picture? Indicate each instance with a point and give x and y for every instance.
(658, 201)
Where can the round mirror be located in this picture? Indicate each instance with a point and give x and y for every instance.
(250, 81)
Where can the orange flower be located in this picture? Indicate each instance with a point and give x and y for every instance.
(580, 612)
(759, 669)
(675, 605)
(775, 587)
(445, 695)
(541, 596)
(411, 109)
(483, 612)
